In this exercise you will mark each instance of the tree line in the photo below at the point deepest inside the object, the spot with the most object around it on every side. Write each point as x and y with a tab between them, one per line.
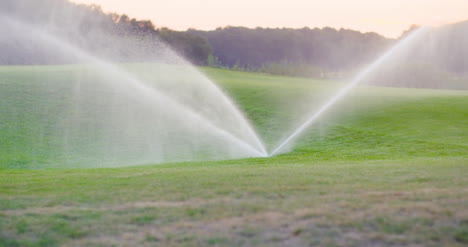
285	51
231	47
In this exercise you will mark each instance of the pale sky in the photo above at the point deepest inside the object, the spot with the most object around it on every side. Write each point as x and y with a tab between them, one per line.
387	17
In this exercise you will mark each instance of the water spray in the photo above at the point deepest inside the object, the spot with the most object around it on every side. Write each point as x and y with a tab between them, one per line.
349	86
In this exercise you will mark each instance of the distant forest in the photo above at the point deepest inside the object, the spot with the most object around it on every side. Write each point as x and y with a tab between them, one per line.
326	48
230	47
301	52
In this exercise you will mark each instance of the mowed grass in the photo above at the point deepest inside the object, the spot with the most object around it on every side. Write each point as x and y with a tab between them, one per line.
384	167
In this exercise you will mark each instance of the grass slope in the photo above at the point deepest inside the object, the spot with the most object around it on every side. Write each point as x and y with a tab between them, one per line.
385	167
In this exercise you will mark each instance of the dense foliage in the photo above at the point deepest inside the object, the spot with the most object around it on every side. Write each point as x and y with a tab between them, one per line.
326	48
325	52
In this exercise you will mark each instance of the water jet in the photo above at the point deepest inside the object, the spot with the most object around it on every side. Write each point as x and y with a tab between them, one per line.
347	88
100	114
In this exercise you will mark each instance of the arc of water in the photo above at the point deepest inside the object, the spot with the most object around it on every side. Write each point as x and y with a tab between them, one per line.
258	141
345	90
156	95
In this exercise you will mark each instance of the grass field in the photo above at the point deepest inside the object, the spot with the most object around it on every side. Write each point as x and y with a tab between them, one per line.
385	167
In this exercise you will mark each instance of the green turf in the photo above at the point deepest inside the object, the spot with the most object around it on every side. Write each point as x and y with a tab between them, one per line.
384	167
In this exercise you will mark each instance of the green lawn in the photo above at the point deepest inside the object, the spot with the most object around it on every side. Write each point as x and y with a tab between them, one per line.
385	166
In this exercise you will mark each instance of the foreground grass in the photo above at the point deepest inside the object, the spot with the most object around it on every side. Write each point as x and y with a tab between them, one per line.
385	167
270	202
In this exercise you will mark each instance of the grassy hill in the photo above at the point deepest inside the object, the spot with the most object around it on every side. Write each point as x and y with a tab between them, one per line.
386	166
371	123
